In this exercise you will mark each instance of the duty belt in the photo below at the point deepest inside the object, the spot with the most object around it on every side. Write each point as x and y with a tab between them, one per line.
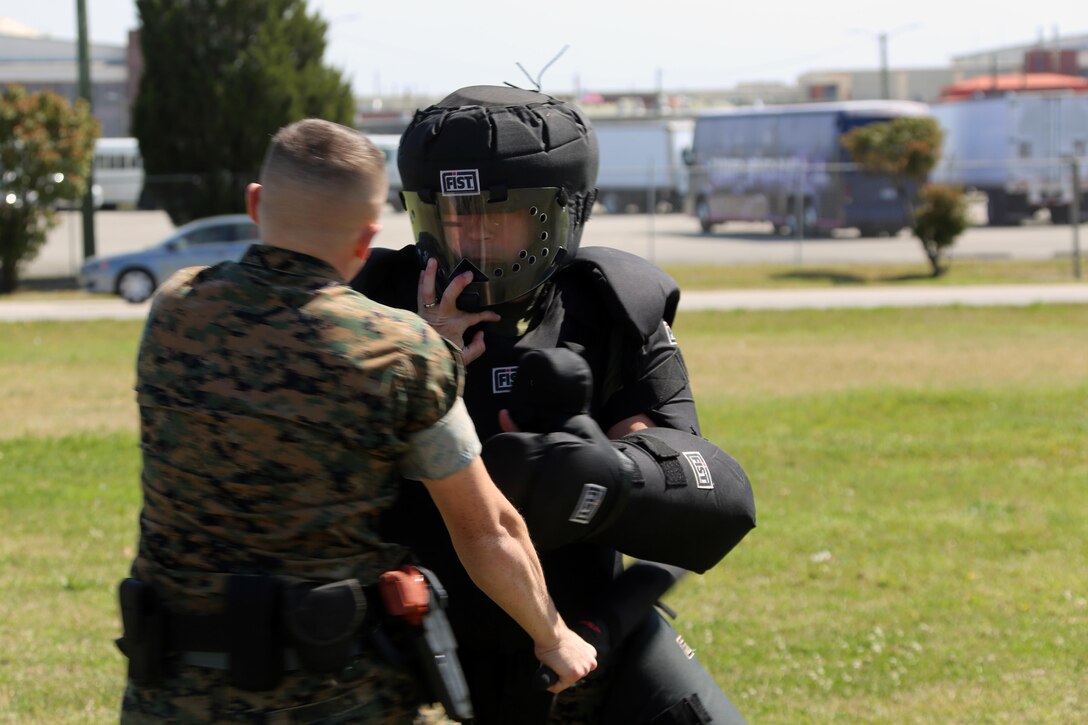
267	627
203	641
270	626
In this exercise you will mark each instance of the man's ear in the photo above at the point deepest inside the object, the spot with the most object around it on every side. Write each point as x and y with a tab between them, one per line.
362	242
253	201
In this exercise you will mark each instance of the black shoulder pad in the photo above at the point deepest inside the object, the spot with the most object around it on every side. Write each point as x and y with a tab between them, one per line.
633	288
390	276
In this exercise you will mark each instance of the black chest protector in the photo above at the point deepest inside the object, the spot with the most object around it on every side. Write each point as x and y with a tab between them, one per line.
616	307
612	305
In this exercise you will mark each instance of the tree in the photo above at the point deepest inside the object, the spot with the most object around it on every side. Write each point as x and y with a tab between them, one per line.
46	148
940	217
907	148
220	78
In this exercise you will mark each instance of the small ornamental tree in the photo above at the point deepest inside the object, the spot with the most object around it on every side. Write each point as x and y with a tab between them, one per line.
940	217
907	148
46	148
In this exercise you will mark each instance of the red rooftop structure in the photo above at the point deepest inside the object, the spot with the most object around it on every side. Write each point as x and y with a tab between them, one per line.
988	86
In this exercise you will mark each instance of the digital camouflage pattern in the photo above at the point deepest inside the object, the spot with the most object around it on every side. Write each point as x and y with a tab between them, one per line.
197	696
278	409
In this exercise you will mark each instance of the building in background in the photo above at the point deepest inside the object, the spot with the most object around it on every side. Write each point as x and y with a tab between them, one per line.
904	84
43	63
991	86
1067	55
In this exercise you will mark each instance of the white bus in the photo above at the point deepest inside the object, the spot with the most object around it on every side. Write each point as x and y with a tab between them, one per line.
118	172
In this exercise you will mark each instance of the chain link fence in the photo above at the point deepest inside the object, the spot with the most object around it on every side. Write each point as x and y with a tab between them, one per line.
1013	191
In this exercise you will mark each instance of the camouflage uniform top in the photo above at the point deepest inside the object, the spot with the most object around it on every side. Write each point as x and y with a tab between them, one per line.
279	411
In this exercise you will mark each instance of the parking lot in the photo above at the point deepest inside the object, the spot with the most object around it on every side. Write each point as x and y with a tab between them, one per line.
663	238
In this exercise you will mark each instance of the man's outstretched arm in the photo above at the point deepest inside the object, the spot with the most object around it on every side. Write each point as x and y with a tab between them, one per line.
493	543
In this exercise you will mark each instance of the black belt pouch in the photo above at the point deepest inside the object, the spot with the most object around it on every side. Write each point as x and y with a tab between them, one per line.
322	623
254	642
144	639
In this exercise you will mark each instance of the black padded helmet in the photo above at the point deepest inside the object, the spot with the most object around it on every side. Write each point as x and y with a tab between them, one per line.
499	181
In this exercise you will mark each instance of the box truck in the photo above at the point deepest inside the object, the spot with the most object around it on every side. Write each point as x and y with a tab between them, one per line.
642	163
1017	150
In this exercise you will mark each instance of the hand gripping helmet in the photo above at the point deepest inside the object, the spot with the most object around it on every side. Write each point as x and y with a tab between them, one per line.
498	181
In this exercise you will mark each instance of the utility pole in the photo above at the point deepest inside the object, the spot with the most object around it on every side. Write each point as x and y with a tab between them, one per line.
885	85
882	42
85	93
1075	216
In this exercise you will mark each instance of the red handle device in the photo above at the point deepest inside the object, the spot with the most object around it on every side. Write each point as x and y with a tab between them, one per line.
405	594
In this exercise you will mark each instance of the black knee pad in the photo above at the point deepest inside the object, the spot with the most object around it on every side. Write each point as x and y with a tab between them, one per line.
658	681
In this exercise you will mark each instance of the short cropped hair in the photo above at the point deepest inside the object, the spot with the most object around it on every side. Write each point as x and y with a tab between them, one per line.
325	157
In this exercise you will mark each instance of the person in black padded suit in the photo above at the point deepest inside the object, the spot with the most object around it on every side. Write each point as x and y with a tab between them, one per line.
499	183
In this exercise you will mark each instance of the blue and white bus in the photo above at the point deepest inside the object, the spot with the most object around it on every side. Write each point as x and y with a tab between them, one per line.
767	163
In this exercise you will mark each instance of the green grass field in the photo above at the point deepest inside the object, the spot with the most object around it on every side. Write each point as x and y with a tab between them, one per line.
920	475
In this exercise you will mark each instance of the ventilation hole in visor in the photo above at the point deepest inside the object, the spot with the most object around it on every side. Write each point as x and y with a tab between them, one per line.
532	260
515	268
523	254
544	252
543	236
532	211
543	218
498	271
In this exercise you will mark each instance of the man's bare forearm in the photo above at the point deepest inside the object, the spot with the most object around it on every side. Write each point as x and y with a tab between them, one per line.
493	543
505	566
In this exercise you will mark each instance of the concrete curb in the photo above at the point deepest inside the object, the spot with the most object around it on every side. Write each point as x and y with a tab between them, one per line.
759	299
871	297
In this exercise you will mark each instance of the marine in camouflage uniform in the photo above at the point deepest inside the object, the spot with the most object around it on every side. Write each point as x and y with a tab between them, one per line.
279	411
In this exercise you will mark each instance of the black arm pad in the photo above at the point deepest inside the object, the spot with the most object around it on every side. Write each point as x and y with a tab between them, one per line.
658	494
551	387
693	505
566	486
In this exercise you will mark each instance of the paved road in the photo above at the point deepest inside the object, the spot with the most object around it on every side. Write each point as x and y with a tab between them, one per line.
776	299
665	239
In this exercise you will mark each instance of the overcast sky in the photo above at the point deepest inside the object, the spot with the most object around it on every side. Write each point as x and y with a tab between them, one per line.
428	47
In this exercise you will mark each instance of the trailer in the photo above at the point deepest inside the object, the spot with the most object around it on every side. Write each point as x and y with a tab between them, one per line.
642	163
1017	150
388	145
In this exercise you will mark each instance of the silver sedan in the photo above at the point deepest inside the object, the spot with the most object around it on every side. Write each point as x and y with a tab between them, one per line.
136	275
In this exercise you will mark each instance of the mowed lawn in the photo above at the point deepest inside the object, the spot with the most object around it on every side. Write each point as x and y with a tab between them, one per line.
921	478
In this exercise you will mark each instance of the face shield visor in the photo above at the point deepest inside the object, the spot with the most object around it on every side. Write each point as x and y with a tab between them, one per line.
512	244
